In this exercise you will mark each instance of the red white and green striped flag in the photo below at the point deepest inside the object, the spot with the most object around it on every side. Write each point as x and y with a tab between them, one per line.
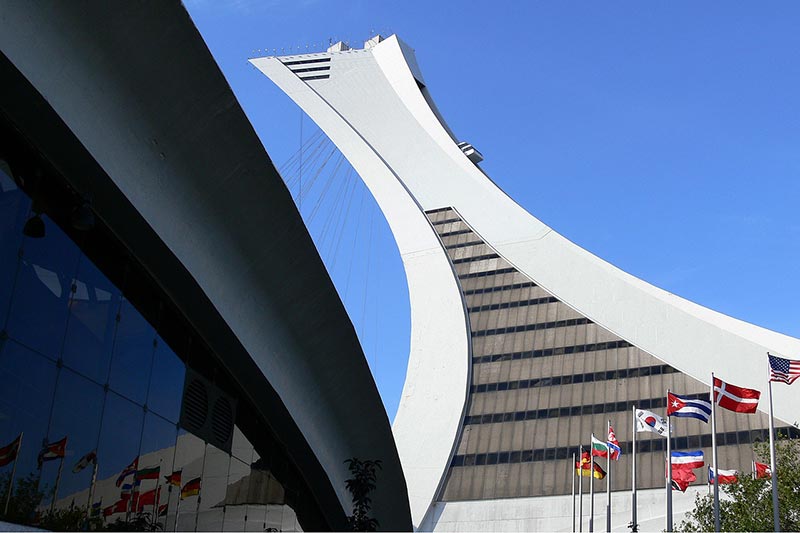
599	448
148	473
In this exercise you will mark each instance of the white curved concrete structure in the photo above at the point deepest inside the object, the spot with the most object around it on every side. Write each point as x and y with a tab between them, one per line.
374	105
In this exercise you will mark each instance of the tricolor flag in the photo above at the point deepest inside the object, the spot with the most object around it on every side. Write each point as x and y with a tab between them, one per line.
586	467
192	488
9	452
148	473
174	478
56	450
613	444
148	498
689	460
760	470
682	465
682	406
599	448
130	486
649	421
725	476
84	461
130	469
783	370
733	398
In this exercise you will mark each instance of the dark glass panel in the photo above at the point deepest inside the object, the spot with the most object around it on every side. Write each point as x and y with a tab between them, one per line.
214	487
92	322
120	436
133	355
189	457
166	382
77	411
43	287
27	385
14	208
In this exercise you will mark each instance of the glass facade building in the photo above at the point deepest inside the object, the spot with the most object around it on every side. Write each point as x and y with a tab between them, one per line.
103	365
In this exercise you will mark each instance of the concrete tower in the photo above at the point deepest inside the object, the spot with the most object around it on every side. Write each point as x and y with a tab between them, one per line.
522	343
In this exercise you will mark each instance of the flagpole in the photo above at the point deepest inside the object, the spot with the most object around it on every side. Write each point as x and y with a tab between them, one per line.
573	493
669	471
591	493
633	473
580	489
714	454
58	482
13	473
773	470
608	482
91	488
177	510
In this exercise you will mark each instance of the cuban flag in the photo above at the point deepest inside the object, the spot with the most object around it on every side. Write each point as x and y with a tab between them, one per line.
682	406
725	476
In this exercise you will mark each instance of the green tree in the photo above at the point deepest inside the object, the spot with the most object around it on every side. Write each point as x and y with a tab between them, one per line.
360	486
24	500
748	502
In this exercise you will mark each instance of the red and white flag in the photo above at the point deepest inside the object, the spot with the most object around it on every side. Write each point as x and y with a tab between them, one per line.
9	452
735	398
613	444
725	476
56	450
761	470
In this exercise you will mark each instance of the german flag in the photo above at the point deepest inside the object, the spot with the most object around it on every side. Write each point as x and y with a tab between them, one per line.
192	488
174	478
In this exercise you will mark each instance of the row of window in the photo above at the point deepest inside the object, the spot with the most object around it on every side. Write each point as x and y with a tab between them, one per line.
324	77
577	410
576	378
693	442
547	352
531	327
485	273
438	210
310	69
455	232
446	221
475	258
463	245
305	61
499	288
507	305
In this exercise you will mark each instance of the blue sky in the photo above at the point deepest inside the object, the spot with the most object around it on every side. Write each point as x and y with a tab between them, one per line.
663	137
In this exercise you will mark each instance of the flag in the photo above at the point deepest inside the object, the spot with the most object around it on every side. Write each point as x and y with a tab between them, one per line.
761	470
649	421
192	488
687	460
97	507
162	509
130	469
56	450
148	473
148	498
682	465
588	469
121	506
686	407
785	370
108	511
174	478
725	476
735	398
9	452
613	444
84	461
127	487
599	448
682	478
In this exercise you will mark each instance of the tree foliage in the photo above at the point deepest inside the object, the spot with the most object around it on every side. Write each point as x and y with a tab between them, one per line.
747	504
360	486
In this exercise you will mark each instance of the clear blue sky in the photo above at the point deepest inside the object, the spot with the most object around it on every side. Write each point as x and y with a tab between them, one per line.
663	137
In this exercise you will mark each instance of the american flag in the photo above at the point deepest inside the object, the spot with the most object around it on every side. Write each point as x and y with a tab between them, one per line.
785	370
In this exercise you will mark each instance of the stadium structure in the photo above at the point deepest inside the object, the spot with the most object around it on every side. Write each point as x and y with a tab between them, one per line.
522	342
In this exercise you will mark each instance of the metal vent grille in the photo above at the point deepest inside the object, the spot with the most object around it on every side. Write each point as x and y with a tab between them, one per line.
222	420
207	411
195	405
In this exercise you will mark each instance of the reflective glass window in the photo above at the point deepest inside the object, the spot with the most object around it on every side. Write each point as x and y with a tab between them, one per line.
166	382
42	291
132	357
14	208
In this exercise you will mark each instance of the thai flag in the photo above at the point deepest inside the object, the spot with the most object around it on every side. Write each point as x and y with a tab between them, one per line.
130	469
725	476
682	406
689	460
